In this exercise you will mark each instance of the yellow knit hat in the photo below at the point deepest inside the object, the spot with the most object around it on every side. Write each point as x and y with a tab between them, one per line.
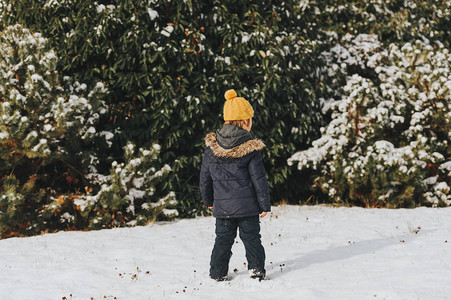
236	108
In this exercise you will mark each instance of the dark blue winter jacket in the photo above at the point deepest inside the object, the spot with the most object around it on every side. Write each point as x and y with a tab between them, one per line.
232	177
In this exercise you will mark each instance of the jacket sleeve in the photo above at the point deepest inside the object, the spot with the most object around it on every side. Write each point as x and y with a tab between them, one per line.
258	177
206	182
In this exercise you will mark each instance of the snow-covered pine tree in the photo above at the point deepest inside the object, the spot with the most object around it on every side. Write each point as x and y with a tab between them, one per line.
127	196
44	124
388	143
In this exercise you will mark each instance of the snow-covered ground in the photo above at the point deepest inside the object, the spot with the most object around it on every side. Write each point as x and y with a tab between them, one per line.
312	253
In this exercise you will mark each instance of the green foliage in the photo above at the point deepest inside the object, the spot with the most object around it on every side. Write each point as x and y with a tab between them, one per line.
388	142
129	194
167	65
43	127
47	133
16	213
395	21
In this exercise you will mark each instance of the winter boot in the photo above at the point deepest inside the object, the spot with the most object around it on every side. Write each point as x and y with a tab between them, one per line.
255	274
222	278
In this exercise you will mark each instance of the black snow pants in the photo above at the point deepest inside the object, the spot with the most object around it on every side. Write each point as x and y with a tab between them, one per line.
249	228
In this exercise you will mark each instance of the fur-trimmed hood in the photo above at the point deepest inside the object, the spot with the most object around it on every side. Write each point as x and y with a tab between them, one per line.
236	152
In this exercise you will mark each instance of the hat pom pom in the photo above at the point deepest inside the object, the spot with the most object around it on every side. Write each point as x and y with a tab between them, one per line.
230	94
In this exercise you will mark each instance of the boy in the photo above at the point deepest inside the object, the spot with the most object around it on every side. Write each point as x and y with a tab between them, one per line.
233	183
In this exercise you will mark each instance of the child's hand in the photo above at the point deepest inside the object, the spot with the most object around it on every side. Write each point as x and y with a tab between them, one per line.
263	214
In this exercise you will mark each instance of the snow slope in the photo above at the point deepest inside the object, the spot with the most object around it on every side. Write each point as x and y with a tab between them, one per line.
312	253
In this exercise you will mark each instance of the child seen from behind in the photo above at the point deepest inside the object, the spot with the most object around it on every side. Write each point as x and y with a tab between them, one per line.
233	183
